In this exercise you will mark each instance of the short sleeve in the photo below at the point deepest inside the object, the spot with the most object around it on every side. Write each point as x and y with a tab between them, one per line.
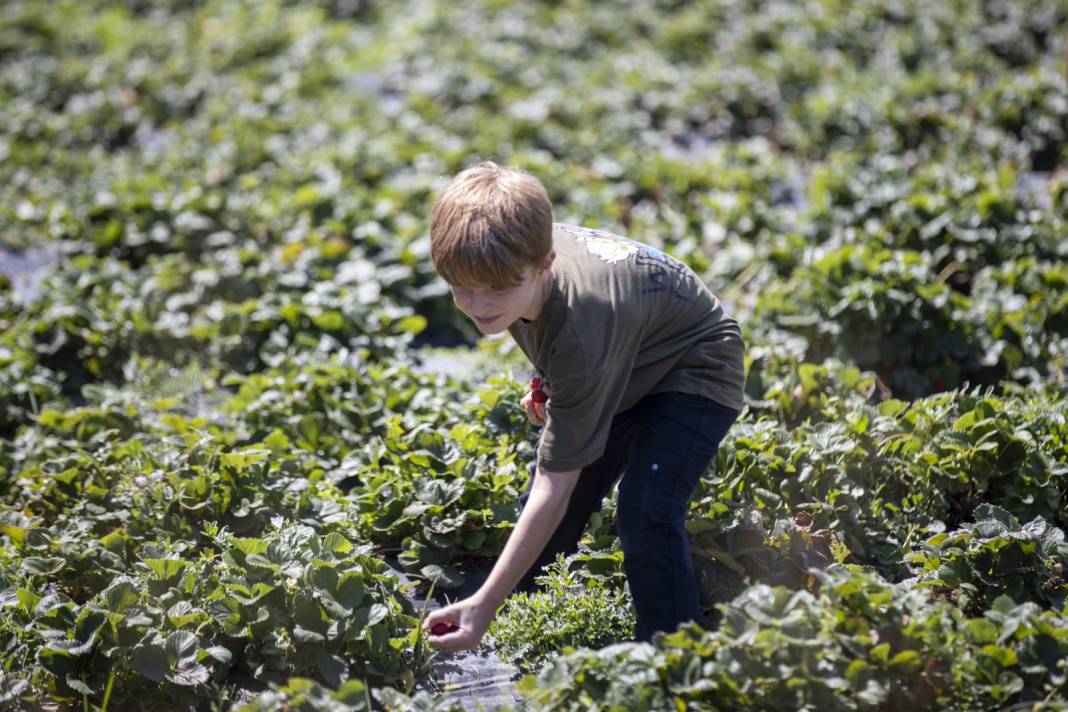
580	411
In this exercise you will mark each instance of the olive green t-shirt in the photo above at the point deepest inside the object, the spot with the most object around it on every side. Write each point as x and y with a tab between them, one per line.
623	320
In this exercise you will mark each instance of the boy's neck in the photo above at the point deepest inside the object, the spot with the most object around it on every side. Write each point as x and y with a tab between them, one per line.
543	297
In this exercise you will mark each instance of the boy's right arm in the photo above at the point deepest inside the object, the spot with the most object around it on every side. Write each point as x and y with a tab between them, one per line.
548	502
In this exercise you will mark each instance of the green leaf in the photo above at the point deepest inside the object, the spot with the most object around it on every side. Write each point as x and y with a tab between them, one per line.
1003	604
165	569
330	320
310	430
333	669
412	324
906	660
353	693
880	653
277	442
190	675
120	596
1002	516
27	600
445	576
377	614
856	668
150	660
306	636
181	647
242	459
249	546
335	543
1005	656
350	590
16	534
182	650
67	476
249	596
981	631
37	566
53	419
218	652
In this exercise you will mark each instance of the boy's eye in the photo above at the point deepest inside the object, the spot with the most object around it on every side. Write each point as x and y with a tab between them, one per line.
493	291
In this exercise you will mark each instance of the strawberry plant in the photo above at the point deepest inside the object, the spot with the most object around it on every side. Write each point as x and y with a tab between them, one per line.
569	610
215	427
793	390
996	556
858	643
309	696
883	474
729	560
291	603
307	603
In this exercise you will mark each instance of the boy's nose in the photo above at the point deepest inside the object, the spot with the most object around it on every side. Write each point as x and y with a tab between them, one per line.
479	306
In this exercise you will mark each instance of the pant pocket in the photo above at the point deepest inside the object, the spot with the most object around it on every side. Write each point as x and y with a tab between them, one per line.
674	459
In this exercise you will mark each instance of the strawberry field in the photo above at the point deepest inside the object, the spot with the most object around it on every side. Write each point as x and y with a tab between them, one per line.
245	435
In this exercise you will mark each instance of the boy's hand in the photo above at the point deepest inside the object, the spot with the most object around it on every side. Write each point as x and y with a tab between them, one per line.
535	411
462	624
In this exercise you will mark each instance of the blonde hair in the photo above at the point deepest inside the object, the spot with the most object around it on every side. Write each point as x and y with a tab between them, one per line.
488	224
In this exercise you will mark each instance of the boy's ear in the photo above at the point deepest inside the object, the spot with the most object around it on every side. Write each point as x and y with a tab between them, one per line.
548	262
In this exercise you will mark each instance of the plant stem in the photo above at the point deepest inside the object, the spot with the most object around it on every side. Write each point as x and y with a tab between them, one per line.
107	691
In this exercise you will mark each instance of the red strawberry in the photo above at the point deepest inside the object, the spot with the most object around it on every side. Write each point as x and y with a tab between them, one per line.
443	628
536	392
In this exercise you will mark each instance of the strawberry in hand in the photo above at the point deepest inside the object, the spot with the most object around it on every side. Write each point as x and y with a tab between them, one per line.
444	628
536	393
534	403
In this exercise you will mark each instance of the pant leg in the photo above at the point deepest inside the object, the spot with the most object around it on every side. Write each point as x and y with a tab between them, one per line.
594	483
680	434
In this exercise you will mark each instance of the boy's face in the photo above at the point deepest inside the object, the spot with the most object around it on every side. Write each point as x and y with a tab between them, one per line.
494	310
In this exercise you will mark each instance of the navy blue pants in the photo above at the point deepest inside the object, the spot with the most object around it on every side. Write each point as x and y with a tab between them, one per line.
661	447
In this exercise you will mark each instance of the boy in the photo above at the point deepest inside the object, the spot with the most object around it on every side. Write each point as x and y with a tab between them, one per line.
643	372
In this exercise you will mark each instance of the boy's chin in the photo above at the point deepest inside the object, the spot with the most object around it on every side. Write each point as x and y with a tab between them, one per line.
494	328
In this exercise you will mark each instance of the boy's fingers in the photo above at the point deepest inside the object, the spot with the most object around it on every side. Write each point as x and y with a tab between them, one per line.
535	411
453	642
432	619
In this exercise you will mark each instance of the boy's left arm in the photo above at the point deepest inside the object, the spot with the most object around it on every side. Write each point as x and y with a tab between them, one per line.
542	513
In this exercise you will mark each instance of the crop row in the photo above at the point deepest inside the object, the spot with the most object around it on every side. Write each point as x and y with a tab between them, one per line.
142	493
